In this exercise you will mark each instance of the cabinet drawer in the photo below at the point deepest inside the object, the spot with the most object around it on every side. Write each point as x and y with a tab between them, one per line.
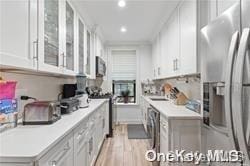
80	136
61	154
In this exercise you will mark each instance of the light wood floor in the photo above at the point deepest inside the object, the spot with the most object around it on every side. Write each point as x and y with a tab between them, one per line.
121	151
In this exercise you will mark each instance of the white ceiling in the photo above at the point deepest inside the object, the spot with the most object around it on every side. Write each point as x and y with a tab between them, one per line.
143	18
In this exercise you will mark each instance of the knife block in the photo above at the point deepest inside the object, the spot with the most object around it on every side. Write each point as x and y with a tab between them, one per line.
181	99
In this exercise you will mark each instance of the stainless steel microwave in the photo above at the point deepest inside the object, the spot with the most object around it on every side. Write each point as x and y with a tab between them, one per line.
100	67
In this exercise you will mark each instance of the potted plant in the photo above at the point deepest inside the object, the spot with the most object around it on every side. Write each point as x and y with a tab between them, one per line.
125	95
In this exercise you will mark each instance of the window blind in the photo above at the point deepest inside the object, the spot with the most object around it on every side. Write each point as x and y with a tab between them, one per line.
124	65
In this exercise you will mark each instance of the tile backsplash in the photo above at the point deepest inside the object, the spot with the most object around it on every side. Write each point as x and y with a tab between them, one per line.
189	85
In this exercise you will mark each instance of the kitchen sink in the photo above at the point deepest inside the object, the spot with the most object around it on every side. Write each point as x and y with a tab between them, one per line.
158	99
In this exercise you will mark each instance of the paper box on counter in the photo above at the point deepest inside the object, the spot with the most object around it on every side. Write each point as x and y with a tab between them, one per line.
8	109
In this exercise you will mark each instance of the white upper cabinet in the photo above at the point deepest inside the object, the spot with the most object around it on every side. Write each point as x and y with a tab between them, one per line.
51	49
88	49
18	34
157	57
154	59
188	38
173	53
81	47
91	53
178	43
217	7
70	42
57	37
51	37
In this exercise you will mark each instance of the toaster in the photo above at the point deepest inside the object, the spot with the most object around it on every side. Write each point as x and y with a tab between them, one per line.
41	112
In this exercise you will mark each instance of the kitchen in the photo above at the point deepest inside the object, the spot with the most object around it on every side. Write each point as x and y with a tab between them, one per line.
113	82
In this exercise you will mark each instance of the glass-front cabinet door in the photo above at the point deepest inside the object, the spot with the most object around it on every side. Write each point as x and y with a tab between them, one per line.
57	37
51	32
50	48
70	37
88	53
80	47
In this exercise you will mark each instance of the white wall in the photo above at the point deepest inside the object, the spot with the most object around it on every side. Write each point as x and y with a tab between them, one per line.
41	87
130	113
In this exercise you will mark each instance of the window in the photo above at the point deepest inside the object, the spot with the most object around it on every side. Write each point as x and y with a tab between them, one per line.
125	91
124	65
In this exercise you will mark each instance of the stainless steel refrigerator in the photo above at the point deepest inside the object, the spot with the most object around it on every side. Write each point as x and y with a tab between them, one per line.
225	69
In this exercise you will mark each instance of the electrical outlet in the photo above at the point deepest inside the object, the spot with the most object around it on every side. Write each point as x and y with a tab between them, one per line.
20	103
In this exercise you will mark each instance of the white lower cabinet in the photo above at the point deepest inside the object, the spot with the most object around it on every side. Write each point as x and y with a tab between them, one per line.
81	145
60	155
179	134
164	139
78	148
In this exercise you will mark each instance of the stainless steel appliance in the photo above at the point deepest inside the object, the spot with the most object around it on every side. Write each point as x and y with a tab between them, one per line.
226	76
69	105
100	67
41	112
112	107
69	90
153	129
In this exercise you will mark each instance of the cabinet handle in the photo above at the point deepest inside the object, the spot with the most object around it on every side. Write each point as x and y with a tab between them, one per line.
63	56
65	151
159	70
35	50
90	145
80	134
177	68
174	65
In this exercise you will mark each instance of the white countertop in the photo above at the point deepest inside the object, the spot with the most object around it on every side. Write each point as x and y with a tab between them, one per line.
30	142
172	111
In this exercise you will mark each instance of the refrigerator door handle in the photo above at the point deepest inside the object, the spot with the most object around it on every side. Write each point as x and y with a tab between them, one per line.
228	87
219	129
237	92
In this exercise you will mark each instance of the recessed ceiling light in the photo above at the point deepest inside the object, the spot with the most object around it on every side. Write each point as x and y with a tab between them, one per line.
121	3
123	29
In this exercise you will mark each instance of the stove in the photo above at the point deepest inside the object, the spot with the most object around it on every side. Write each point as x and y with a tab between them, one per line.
111	109
100	96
